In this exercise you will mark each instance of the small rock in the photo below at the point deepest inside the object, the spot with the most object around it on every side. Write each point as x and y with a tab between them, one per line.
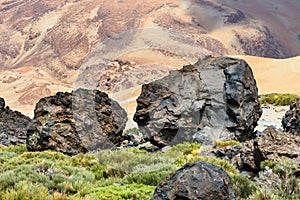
271	144
199	180
291	119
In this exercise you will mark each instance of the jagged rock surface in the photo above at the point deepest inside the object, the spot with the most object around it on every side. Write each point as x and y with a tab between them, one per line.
13	126
212	99
198	180
2	103
84	120
291	119
271	144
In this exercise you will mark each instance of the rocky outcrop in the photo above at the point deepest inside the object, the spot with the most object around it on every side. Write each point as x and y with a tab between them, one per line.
291	119
198	180
212	99
84	120
13	126
271	144
2	103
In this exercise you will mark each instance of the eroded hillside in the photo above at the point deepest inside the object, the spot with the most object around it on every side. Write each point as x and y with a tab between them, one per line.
58	45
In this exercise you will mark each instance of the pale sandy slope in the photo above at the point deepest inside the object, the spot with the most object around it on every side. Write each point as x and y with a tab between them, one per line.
275	75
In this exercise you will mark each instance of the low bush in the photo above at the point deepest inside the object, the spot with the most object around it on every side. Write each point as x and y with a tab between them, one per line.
185	149
133	131
125	174
279	179
279	99
20	148
242	186
150	175
119	192
25	191
223	144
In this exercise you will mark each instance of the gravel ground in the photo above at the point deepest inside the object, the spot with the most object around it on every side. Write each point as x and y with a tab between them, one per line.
272	116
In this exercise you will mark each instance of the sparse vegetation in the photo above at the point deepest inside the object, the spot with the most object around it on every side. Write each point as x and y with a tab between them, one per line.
223	144
123	174
279	99
279	179
242	186
134	131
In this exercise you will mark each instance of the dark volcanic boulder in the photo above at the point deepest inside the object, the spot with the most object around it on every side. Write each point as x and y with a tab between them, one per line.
271	144
84	120
214	98
198	180
2	103
13	126
291	119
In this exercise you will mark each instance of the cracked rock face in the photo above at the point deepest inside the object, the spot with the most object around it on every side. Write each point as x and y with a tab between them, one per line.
213	99
271	144
13	126
81	121
199	180
2	103
291	119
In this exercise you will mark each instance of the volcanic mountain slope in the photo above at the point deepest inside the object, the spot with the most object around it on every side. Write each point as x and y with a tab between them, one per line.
47	46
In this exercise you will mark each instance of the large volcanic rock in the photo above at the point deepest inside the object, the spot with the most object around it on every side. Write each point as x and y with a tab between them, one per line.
201	102
84	120
13	126
2	103
291	119
198	180
271	144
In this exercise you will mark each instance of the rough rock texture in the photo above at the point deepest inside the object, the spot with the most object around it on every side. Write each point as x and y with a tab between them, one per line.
13	126
201	102
2	103
271	144
291	119
198	180
84	120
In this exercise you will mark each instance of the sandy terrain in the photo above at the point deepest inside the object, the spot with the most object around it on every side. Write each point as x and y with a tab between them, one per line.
271	116
275	75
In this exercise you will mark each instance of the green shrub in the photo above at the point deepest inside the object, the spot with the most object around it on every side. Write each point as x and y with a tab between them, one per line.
20	148
10	178
261	195
226	165
133	131
183	159
126	161
223	144
184	149
283	181
52	170
268	163
150	176
124	174
25	191
119	192
279	99
242	186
